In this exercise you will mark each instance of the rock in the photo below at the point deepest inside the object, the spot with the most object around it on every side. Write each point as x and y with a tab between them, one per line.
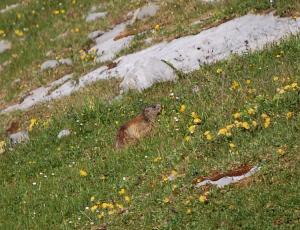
64	133
4	45
95	34
94	16
66	61
8	8
145	12
50	64
20	137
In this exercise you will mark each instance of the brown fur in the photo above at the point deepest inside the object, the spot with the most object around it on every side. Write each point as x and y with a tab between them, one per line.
138	127
13	127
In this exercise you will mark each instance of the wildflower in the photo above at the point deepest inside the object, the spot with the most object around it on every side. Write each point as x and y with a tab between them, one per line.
245	125
62	11
224	132
19	33
251	111
267	122
82	173
235	85
275	78
182	108
2	33
237	115
281	151
195	115
107	205
76	30
33	122
188	211
127	199
208	135
166	200
202	199
219	70
232	146
55	12
101	215
197	121
111	212
187	138
254	124
157	27
119	206
157	159
92	198
192	129
2	146
289	115
94	208
248	81
122	192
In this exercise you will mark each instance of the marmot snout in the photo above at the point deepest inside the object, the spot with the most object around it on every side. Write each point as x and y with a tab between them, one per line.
138	127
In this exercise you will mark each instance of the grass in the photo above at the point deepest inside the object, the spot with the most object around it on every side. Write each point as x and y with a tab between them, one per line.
40	181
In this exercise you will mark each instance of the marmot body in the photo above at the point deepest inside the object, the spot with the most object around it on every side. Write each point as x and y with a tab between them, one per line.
138	127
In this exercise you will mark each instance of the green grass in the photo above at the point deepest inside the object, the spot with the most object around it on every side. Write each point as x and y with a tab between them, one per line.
40	182
268	199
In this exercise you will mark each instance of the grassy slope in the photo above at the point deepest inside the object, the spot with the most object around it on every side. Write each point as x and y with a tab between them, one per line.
268	199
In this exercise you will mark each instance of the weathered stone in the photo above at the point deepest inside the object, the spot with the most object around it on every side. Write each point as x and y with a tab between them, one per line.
95	34
66	61
50	64
64	133
4	45
19	137
94	16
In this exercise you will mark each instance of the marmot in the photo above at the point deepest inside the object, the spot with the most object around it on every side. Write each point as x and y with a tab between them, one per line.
138	127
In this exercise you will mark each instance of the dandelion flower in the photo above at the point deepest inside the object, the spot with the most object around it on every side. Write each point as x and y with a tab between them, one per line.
254	124
235	85
2	146
208	136
157	27
122	192
157	159
166	200
248	81
33	122
237	115
127	199
289	115
101	215
197	121
188	211
280	151
224	132
275	78
82	173
195	115
94	208
187	138
232	146
192	129
202	199
245	125
19	33
219	70
182	108
251	111
92	198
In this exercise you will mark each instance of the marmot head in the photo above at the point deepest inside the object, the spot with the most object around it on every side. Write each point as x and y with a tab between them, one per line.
152	111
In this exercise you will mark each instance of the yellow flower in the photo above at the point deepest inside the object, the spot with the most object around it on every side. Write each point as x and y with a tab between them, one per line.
107	205
119	206
254	124
267	122
62	11
94	208
264	116
187	138
2	146
82	173
33	122
231	145
19	33
275	78
111	212
202	199
235	85
92	198
122	192
248	81
245	125
289	115
76	30
192	129
157	159
157	27
182	108
208	136
188	211
224	132
166	200
101	215
197	121
127	199
55	12
237	115
2	33
195	115
219	70
251	111
281	151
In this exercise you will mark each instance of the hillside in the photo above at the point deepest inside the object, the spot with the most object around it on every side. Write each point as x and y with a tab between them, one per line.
227	76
